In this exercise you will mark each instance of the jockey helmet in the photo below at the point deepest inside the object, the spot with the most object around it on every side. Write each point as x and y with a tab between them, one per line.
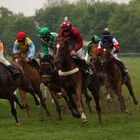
106	32
44	31
66	25
21	36
95	39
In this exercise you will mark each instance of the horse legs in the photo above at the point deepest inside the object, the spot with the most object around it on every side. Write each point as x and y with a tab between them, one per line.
39	93
79	103
35	98
129	86
16	100
24	101
71	104
87	100
118	91
13	110
58	107
95	94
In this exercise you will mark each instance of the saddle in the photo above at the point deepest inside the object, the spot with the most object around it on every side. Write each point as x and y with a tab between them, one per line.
34	64
121	66
84	67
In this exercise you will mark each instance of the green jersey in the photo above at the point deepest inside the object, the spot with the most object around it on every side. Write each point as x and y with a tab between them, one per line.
89	48
47	48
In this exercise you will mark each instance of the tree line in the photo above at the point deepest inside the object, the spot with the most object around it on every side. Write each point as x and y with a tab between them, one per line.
89	16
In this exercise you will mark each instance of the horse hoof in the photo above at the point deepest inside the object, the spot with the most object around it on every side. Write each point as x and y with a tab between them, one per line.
84	121
135	102
84	118
126	111
76	115
17	124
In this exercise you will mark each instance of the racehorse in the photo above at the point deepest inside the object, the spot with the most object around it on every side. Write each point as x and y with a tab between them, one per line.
51	79
7	87
96	60
115	77
71	78
31	80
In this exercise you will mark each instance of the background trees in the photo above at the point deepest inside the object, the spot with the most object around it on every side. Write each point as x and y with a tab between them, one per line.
89	16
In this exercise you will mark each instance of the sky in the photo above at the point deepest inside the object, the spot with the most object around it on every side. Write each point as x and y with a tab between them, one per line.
28	7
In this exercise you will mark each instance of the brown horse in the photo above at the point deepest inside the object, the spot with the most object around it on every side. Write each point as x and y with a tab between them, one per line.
97	61
115	77
31	80
72	79
51	79
7	88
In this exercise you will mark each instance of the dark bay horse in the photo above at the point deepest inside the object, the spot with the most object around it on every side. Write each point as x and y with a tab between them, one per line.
72	80
115	77
31	80
7	88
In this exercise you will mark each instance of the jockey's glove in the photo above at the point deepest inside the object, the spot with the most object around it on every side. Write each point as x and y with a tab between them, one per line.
73	53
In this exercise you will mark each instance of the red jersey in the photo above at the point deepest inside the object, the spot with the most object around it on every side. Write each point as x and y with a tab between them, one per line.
74	36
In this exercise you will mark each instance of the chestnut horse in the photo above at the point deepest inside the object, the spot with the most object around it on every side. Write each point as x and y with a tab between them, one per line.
51	79
7	88
32	80
71	78
96	60
115	77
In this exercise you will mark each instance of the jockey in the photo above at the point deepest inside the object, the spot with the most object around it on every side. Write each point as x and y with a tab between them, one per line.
5	62
24	45
48	43
94	42
108	40
67	30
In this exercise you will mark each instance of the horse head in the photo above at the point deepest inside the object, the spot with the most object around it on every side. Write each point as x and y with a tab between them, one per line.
61	51
106	54
19	58
46	69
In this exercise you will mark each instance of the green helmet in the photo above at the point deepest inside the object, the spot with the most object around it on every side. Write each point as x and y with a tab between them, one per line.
44	31
95	39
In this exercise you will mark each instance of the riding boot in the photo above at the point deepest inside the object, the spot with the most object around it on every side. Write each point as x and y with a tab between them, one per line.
87	69
35	64
123	68
13	71
84	67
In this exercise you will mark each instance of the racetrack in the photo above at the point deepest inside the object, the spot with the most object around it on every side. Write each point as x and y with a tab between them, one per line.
116	126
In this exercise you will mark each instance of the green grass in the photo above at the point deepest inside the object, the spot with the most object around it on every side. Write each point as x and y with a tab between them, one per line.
116	126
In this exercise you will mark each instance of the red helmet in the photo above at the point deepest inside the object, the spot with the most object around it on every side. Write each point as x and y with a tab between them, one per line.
66	25
20	36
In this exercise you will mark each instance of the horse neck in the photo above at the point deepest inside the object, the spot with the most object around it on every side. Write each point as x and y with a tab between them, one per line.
98	64
68	64
109	65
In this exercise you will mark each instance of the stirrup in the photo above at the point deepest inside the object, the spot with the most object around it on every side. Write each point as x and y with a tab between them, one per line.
89	71
126	71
